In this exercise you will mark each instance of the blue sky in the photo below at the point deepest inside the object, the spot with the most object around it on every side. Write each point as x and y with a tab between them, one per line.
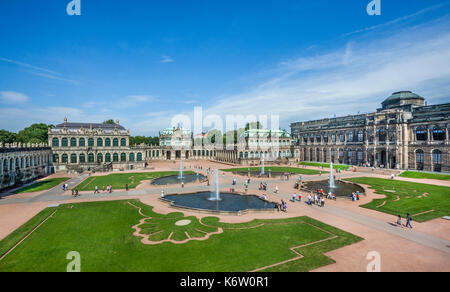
143	62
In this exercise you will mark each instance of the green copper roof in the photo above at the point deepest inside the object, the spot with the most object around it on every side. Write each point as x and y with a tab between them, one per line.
403	95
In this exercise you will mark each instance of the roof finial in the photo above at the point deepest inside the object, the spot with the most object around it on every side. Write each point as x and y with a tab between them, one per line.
65	120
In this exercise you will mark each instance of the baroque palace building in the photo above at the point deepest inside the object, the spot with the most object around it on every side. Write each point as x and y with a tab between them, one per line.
94	147
404	134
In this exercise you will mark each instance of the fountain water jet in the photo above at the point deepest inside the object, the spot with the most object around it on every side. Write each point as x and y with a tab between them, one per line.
263	171
181	170
215	194
332	183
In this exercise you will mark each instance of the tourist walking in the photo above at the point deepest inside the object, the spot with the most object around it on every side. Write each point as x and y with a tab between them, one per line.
399	221
126	187
96	190
408	221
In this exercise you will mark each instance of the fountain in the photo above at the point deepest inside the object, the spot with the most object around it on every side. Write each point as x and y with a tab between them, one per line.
339	188
332	183
215	193
181	170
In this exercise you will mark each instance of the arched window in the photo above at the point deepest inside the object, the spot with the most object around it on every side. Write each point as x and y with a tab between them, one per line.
123	142
99	142
22	164
437	160
311	138
421	134
319	139
349	156
342	138
108	157
139	157
382	135
438	134
55	142
73	142
108	142
82	158
115	157
64	158
116	142
241	155
420	159
73	158
91	158
64	142
325	138
90	142
55	159
437	157
123	157
82	142
246	155
131	156
99	158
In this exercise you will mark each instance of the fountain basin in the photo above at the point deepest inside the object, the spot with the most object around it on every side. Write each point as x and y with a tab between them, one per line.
342	189
230	202
174	179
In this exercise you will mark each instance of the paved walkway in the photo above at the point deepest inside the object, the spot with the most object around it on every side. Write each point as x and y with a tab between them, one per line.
377	229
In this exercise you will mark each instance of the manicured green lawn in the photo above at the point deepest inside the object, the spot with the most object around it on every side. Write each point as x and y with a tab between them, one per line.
275	169
325	165
119	180
421	175
102	233
42	185
415	198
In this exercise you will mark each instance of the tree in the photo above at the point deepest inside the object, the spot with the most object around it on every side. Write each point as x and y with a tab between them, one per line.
36	133
109	122
7	137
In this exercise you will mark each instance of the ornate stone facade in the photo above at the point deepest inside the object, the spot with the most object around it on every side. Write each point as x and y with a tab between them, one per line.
22	163
94	147
403	134
257	144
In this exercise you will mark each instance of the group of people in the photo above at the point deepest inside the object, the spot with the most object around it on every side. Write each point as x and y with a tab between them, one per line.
319	200
408	221
281	207
296	197
263	186
355	196
108	190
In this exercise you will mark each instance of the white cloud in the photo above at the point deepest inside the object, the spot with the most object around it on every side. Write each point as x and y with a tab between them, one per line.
357	77
12	97
39	71
166	59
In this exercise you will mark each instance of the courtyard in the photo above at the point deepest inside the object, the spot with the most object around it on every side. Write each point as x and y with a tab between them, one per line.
135	230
